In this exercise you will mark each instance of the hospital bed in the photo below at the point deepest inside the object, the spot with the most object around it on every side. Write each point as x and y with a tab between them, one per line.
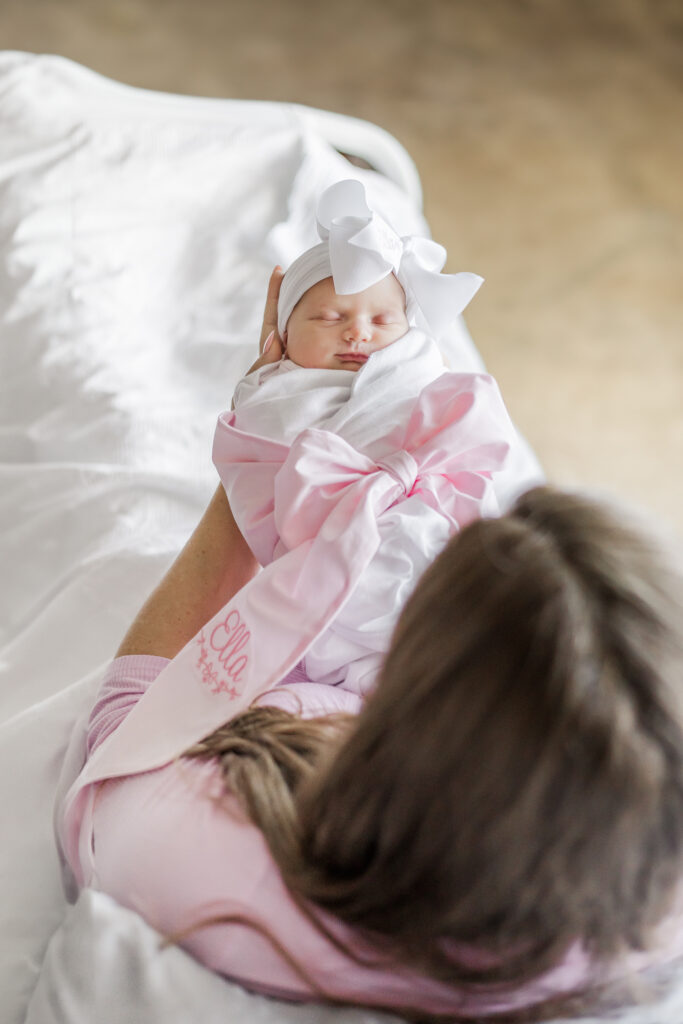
137	234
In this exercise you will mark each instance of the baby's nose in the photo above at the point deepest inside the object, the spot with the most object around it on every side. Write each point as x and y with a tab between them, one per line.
358	331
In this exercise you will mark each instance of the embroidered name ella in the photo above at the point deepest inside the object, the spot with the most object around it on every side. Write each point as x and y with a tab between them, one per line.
221	660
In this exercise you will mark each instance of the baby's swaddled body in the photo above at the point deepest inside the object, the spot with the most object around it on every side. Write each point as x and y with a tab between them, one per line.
373	411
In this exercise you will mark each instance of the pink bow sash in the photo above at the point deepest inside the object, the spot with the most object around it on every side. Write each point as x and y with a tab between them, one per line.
313	508
457	435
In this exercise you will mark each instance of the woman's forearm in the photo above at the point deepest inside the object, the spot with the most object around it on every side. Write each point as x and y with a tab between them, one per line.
214	564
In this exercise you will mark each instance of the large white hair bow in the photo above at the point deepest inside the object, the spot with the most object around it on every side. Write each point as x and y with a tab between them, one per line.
359	248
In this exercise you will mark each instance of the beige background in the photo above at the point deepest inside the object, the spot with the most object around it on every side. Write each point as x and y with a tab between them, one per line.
549	138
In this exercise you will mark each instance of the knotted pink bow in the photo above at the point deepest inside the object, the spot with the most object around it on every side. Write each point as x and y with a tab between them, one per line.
283	495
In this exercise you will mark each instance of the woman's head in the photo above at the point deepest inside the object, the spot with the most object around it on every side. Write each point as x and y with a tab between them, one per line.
517	778
515	783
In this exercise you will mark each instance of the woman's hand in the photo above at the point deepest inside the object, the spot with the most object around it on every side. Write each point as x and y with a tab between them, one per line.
270	343
216	561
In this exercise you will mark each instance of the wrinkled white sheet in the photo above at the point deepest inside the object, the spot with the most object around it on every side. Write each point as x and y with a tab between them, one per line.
137	233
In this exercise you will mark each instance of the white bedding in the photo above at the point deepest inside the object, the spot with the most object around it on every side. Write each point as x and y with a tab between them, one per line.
137	233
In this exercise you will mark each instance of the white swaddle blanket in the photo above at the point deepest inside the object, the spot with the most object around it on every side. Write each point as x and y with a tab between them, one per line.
371	411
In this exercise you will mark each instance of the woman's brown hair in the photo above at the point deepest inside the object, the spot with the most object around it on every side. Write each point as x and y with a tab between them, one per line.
515	782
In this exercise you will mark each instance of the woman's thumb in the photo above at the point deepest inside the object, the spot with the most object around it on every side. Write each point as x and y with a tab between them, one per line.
272	348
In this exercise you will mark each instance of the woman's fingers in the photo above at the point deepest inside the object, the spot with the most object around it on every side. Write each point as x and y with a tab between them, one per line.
270	311
272	349
270	344
271	353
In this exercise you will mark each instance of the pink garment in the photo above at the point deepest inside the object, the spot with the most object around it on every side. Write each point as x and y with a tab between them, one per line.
330	497
173	846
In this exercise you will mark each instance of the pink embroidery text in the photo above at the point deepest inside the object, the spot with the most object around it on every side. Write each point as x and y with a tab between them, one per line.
222	658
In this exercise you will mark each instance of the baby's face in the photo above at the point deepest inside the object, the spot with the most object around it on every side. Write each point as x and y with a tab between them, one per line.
338	332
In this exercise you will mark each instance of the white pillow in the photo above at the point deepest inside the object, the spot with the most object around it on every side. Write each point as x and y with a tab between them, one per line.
105	966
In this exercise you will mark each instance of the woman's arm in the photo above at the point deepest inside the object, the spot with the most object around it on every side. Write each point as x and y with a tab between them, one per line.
214	564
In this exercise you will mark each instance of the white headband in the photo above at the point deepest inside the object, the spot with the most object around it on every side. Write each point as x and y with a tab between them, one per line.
359	249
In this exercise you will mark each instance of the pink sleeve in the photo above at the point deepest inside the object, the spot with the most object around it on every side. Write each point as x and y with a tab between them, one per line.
127	679
124	683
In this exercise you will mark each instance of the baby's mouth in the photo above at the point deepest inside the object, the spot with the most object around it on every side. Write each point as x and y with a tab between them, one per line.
353	357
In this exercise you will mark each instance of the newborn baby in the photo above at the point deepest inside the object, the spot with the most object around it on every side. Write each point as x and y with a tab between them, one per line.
362	388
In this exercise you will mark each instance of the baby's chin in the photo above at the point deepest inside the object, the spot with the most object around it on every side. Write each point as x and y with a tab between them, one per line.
352	365
349	364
